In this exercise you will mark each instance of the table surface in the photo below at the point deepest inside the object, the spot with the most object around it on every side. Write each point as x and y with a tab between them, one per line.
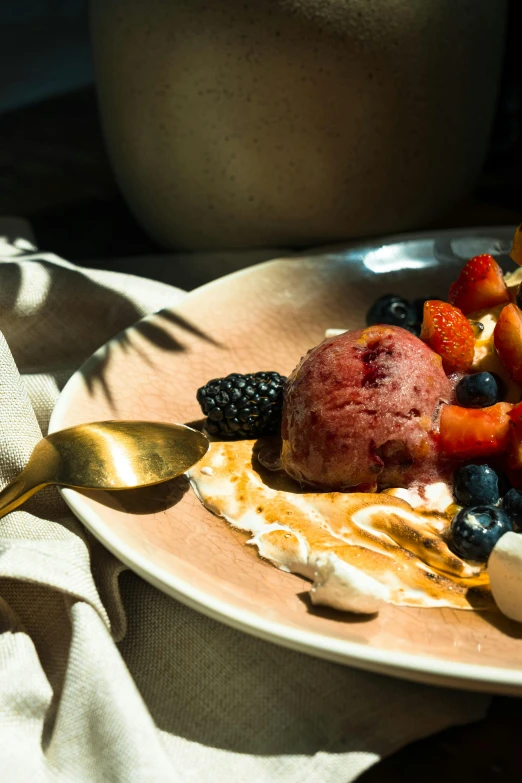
54	172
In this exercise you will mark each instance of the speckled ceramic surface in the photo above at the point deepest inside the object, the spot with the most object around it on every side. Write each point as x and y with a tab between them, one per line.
250	123
266	317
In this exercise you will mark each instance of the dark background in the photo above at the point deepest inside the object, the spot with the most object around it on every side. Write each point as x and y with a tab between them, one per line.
54	170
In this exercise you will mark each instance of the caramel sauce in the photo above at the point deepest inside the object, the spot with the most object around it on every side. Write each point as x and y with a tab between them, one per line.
381	535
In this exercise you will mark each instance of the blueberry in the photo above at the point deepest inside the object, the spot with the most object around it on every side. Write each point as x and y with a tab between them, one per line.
414	328
475	531
512	504
477	391
392	310
476	485
501	386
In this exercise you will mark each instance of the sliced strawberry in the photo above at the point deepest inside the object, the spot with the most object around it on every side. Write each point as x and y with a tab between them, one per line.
516	250
515	416
467	433
514	448
449	333
508	340
480	284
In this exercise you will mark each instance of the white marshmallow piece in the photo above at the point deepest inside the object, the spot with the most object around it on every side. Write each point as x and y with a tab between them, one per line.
505	575
341	585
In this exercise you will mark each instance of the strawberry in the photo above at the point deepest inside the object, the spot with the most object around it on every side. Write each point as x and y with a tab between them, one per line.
515	438
508	340
468	433
479	285
515	416
449	333
516	250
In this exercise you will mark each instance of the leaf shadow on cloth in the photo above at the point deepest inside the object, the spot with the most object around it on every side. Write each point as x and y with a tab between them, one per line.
46	309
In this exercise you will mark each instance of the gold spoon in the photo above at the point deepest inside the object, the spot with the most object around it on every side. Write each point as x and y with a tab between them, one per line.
110	455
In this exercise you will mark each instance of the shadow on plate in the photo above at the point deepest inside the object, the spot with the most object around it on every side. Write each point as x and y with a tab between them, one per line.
144	500
503	624
327	613
267	451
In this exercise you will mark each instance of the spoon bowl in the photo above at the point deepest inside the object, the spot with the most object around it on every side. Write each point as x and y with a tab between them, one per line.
108	455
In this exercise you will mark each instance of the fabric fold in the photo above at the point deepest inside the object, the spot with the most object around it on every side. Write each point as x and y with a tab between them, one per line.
180	697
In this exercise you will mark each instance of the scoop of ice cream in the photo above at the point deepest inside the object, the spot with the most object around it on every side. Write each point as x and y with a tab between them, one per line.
360	409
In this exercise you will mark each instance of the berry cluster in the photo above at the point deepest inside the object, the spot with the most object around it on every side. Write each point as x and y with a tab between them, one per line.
489	510
481	426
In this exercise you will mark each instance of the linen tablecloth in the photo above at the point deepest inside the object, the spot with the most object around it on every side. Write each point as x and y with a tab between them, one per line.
104	678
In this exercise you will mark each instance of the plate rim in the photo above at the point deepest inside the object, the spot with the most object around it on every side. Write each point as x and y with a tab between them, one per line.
431	670
418	668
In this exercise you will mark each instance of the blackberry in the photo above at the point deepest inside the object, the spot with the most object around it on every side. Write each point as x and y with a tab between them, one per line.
243	406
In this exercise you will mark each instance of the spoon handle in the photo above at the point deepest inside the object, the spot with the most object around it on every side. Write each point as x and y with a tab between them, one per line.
17	492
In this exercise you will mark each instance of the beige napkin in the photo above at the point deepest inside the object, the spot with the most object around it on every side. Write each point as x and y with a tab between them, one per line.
102	677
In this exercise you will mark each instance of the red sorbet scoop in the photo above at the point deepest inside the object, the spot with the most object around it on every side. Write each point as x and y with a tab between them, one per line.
360	409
